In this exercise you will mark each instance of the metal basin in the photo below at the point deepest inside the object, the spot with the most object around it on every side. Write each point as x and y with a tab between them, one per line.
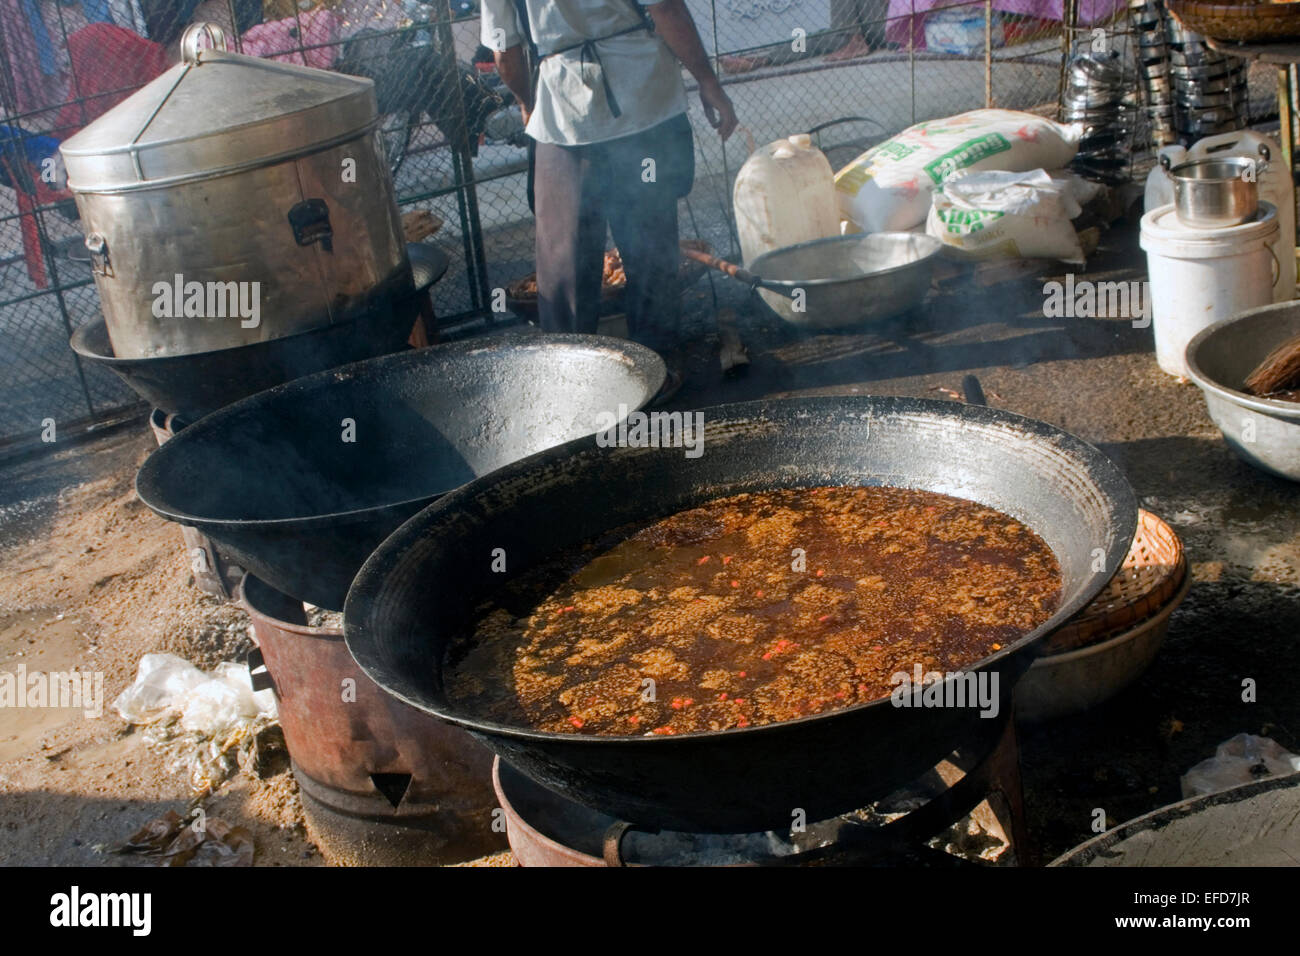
847	280
299	483
1263	431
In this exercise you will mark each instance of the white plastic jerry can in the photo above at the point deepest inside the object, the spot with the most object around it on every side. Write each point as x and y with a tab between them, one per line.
1275	187
784	195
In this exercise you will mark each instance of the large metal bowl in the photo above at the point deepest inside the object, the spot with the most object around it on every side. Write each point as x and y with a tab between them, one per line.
1263	431
847	280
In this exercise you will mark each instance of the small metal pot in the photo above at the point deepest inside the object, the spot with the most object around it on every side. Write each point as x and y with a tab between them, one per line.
1214	193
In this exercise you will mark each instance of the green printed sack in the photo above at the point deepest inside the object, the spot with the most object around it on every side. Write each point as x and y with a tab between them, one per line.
888	188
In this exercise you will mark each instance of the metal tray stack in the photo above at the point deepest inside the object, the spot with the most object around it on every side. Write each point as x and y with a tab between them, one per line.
1209	87
1095	96
1148	24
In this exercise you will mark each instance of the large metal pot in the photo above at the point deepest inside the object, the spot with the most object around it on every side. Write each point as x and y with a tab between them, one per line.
1219	192
233	176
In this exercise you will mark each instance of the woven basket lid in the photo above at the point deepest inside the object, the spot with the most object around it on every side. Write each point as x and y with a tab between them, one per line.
1151	574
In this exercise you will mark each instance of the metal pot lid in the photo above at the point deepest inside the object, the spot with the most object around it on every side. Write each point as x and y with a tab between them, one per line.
216	113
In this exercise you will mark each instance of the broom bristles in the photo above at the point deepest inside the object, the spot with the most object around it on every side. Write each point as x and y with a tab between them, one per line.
1280	370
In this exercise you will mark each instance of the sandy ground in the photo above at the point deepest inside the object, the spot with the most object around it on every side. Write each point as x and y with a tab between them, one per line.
92	586
90	578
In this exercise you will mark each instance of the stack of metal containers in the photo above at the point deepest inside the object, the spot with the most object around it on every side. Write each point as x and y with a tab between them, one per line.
1095	96
1148	20
1209	87
1191	91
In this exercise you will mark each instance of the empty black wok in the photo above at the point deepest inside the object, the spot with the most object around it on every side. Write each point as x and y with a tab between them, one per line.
299	483
418	590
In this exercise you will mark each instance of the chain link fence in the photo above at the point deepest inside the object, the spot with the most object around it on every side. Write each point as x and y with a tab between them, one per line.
852	72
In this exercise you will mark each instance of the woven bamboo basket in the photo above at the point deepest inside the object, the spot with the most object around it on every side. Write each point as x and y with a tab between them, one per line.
1240	22
1150	576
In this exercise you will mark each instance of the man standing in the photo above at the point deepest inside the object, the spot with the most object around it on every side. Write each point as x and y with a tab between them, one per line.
607	109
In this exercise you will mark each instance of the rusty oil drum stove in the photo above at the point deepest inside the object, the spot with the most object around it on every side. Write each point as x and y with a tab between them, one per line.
381	782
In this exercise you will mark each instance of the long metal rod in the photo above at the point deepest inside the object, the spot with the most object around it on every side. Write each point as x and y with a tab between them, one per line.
988	54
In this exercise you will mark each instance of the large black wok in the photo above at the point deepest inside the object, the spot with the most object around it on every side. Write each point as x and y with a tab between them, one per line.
276	483
418	590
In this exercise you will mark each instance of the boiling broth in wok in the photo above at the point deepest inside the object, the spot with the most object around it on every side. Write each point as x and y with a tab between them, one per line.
753	609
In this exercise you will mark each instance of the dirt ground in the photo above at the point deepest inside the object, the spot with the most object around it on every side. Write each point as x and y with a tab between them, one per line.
90	578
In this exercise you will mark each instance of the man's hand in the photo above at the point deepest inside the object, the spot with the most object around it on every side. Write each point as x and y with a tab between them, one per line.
718	109
512	67
675	27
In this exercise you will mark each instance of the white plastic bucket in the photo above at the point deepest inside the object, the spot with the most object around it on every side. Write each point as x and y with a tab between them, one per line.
1275	187
1199	276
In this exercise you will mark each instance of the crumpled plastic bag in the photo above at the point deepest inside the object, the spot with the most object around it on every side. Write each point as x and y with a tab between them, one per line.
161	680
1241	759
214	724
225	700
167	685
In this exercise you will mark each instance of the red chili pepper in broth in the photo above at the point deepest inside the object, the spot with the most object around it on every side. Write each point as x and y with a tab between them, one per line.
726	559
735	584
576	721
663	731
703	560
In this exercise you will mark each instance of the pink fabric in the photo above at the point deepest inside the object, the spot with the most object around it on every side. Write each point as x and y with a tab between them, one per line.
279	39
1090	11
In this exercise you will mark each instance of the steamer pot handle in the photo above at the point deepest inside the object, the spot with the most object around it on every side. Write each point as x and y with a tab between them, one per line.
190	49
973	390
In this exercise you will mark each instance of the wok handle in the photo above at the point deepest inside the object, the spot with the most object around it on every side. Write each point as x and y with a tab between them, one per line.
723	266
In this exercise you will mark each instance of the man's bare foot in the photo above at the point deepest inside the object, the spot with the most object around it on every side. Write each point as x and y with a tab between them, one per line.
856	47
741	64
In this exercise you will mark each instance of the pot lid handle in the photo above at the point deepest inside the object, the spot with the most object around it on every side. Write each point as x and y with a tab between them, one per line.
190	49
